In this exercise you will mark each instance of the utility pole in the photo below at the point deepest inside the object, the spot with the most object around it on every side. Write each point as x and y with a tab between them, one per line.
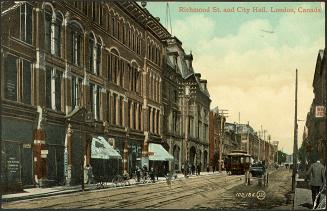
295	139
264	145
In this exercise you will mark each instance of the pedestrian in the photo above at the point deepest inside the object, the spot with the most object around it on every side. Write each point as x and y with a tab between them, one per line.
151	174
138	174
198	169
316	173
89	174
182	169
193	169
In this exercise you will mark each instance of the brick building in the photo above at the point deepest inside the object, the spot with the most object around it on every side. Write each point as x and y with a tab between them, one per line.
216	138
74	71
315	137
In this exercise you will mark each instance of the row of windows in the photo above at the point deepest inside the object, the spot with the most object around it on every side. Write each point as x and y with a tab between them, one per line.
18	85
53	35
120	70
114	25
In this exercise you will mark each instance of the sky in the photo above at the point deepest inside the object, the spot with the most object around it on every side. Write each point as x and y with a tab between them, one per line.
249	59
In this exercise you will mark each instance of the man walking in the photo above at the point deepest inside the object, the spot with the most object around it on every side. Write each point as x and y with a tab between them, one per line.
316	172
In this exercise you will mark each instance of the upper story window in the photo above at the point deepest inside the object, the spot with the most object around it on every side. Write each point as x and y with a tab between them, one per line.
54	88
94	10
100	14
57	35
53	28
76	43
47	30
91	52
18	79
84	7
95	91
113	66
26	23
98	56
77	88
94	52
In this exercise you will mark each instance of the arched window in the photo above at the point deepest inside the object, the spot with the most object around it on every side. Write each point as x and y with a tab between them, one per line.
91	52
57	34
94	5
26	23
113	26
100	8
114	65
47	24
124	34
132	41
98	56
129	37
76	43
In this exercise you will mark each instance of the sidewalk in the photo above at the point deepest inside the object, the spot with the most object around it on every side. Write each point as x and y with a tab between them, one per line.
302	196
31	193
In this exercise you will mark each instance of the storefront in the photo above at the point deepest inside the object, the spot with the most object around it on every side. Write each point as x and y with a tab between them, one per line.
159	159
105	160
134	156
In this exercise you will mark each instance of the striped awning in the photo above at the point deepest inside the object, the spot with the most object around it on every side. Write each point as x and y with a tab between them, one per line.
158	153
101	149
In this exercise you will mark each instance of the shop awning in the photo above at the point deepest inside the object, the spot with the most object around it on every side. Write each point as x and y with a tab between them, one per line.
158	153
101	149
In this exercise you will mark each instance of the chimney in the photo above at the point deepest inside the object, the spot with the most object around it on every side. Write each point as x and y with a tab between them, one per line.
189	60
204	83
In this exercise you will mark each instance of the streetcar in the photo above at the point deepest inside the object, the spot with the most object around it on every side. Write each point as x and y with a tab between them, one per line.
237	162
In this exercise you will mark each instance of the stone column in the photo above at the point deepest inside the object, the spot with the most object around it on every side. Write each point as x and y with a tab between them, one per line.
151	120
137	116
155	120
68	155
117	110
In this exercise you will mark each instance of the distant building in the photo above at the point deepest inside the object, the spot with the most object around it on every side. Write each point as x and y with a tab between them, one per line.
216	137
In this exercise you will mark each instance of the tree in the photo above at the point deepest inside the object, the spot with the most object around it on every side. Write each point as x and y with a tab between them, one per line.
281	157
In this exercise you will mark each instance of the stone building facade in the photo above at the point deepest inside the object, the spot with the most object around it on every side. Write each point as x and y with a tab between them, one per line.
216	138
72	71
186	104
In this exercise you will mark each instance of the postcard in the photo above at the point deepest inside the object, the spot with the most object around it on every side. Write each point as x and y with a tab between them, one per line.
163	105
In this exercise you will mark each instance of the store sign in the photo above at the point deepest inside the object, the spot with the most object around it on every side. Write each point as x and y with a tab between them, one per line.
320	111
44	152
26	146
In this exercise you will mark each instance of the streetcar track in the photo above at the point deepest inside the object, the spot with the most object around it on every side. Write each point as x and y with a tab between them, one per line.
137	194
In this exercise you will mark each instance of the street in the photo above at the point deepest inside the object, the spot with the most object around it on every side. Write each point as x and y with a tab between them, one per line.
209	191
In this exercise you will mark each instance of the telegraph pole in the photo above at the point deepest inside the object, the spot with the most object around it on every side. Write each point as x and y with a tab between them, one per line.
295	138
